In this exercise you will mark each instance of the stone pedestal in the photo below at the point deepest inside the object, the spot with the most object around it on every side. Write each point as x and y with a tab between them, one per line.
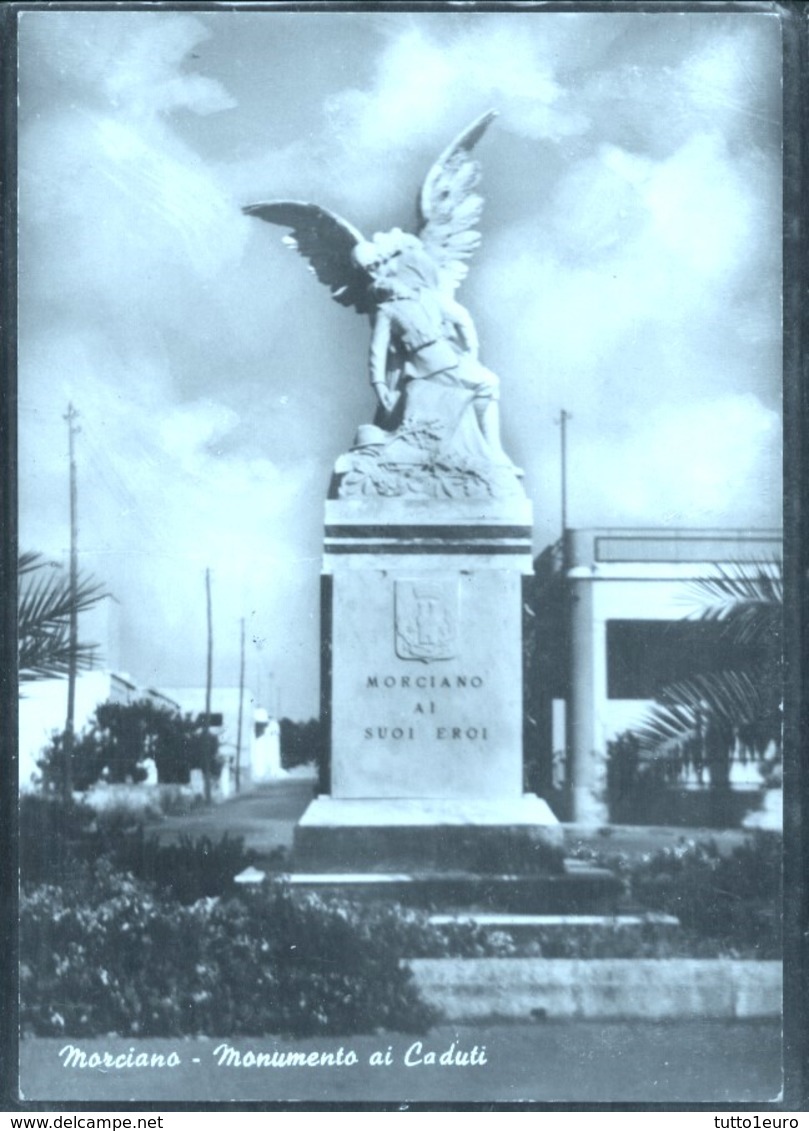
422	693
428	836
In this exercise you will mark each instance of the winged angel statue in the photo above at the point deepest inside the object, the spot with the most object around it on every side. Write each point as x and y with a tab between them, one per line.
437	428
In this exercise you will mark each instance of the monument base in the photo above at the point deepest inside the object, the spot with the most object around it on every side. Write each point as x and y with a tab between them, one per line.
422	697
461	855
519	835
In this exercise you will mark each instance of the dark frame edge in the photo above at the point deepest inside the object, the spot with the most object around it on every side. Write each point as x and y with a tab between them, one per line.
795	41
9	872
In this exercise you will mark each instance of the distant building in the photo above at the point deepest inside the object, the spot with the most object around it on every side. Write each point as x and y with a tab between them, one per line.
612	630
266	755
43	710
246	744
43	707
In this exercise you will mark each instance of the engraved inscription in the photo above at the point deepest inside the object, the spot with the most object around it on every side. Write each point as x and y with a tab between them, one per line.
426	620
425	709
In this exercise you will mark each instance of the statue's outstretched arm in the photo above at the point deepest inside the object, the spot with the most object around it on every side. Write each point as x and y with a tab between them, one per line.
378	352
378	361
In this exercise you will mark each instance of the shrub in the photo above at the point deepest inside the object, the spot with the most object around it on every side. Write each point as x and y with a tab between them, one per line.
645	939
121	735
175	801
735	899
54	838
108	954
58	839
138	803
634	788
187	871
144	802
302	743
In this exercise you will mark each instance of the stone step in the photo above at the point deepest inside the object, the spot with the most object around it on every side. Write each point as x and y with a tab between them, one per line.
582	890
525	928
476	990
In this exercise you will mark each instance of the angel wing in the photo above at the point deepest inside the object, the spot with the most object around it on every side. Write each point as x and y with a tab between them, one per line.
326	240
449	207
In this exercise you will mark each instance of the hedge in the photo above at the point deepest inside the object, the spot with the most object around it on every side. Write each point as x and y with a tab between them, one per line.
734	900
108	954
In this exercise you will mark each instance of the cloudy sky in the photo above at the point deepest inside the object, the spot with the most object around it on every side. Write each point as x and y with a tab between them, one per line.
629	272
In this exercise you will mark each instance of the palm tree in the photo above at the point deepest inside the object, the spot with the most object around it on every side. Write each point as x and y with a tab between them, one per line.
702	720
44	604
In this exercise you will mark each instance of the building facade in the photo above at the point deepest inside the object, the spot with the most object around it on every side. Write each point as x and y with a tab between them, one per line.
617	620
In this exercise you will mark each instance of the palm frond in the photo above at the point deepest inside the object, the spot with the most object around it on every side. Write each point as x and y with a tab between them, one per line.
49	658
720	709
737	705
31	559
45	602
748	603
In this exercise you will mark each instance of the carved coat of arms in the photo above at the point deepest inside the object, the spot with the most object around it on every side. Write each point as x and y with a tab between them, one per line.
426	620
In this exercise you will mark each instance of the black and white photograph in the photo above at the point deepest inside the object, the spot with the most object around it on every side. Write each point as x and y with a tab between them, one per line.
400	532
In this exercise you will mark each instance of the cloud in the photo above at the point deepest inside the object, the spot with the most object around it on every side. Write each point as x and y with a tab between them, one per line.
163	497
136	307
695	73
136	65
431	78
633	255
686	465
419	79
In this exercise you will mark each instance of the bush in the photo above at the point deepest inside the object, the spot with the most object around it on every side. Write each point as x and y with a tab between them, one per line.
121	735
648	938
54	838
647	790
634	788
733	900
187	871
57	840
107	954
302	743
737	898
144	802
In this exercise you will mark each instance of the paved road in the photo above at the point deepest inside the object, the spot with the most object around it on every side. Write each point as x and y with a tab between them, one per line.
266	817
570	1062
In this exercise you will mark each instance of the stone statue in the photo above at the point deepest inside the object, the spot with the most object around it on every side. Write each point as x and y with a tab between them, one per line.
437	428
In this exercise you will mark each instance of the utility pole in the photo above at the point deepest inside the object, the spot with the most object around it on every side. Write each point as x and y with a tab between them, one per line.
274	692
564	416
241	707
208	679
73	629
573	770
